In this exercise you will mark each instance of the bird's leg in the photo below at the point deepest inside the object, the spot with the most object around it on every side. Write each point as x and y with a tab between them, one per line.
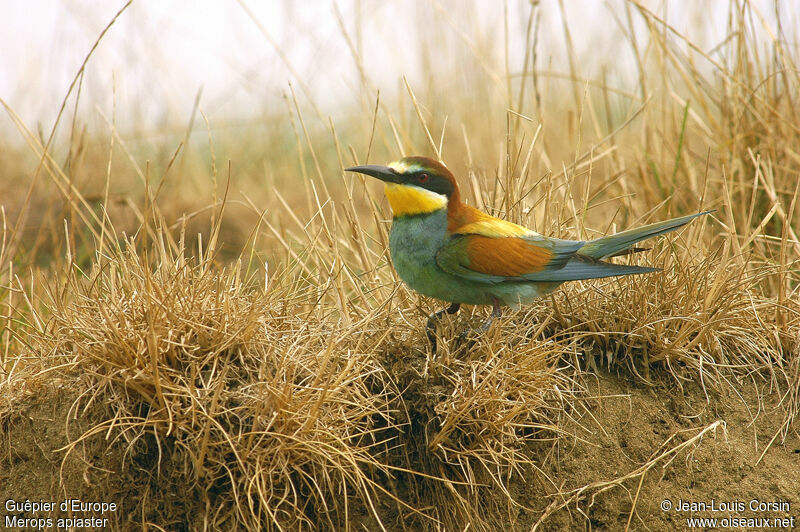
433	319
496	313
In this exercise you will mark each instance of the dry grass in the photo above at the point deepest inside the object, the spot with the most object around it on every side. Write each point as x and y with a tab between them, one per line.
249	396
257	353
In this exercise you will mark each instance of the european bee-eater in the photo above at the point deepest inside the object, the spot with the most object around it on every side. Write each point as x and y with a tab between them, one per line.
445	249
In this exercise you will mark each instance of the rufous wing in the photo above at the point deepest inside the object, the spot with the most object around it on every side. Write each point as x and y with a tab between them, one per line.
495	259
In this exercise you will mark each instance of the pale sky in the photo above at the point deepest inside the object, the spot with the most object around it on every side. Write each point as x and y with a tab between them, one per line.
159	54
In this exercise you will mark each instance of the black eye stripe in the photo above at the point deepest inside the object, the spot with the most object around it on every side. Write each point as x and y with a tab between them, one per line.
432	182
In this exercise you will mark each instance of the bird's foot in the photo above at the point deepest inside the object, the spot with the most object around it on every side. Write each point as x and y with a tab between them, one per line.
434	319
470	334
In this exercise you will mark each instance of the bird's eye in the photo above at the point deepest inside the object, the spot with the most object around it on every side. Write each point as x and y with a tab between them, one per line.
423	178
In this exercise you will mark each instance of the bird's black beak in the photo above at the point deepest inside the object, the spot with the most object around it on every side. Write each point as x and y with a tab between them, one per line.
384	173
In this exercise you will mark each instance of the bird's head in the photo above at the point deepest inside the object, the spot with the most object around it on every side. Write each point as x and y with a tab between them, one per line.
414	185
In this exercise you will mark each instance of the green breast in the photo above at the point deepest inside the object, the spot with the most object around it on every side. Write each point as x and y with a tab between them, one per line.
413	242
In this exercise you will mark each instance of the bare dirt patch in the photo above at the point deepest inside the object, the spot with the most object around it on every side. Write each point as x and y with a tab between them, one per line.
627	424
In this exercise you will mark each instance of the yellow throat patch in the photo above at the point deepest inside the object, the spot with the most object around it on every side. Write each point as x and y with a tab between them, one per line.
407	200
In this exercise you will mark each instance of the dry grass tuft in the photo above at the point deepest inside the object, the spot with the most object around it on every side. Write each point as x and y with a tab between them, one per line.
259	413
468	422
659	318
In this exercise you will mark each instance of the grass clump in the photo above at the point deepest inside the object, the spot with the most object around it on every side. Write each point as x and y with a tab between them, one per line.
469	419
247	413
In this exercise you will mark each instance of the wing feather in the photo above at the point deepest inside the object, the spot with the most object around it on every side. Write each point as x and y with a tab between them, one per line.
495	259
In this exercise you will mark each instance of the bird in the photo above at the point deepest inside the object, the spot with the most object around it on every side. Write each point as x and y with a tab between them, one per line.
445	249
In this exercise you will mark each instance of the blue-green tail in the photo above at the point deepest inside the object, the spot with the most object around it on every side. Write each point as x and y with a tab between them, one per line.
607	246
587	263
